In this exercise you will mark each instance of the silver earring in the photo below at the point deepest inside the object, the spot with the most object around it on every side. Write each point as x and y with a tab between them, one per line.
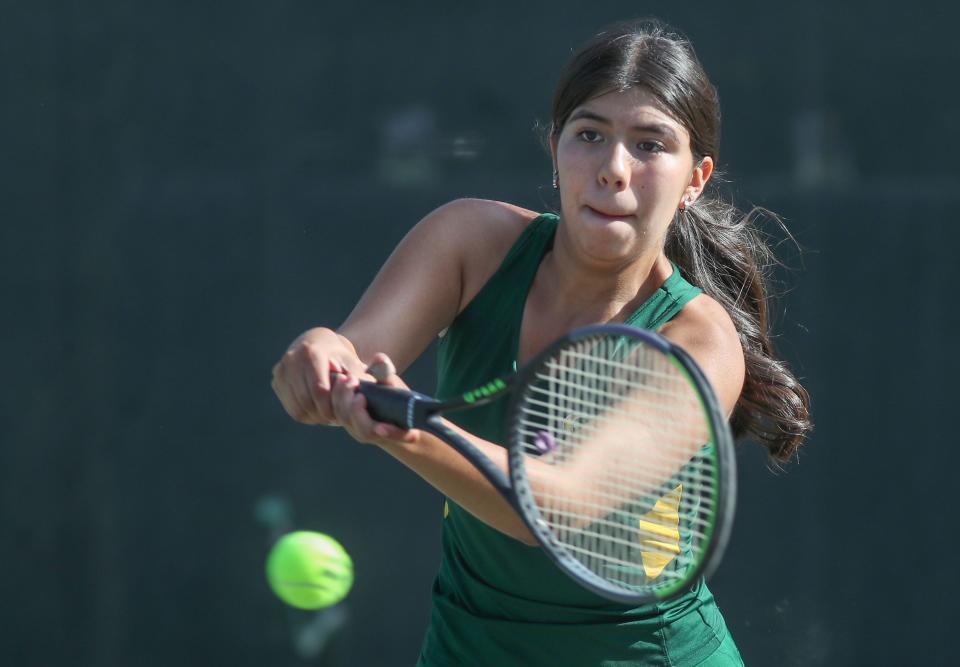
556	180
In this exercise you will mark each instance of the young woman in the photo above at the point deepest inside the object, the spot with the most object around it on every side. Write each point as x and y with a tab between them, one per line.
639	239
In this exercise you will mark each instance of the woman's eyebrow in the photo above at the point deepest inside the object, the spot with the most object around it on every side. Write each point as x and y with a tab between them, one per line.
652	128
588	115
657	128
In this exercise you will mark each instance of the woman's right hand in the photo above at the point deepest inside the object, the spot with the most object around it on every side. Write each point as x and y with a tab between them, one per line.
301	379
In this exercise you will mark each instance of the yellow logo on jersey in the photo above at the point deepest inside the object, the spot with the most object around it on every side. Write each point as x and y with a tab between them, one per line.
660	533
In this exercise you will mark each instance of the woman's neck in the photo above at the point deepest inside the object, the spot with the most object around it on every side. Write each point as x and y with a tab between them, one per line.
577	288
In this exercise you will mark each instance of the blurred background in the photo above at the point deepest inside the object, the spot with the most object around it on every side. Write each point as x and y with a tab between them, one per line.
187	186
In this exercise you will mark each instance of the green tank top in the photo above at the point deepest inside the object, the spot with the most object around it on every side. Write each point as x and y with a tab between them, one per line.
497	601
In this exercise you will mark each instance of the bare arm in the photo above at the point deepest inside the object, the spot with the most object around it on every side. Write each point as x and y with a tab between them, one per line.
435	461
452	475
431	276
433	273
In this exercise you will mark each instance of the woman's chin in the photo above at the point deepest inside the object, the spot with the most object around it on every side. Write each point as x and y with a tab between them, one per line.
611	244
612	248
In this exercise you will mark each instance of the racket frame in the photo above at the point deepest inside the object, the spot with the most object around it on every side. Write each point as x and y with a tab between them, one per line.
720	516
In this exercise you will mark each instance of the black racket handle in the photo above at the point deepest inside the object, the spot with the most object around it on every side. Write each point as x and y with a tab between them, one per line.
389	404
393	405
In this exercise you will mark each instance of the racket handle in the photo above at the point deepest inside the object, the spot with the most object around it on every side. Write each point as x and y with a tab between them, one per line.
389	404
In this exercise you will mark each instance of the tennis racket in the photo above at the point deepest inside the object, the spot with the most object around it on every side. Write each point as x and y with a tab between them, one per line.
620	459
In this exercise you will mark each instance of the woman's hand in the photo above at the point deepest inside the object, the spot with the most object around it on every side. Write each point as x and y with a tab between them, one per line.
350	406
302	380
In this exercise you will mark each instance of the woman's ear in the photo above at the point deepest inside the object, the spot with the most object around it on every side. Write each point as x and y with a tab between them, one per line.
698	180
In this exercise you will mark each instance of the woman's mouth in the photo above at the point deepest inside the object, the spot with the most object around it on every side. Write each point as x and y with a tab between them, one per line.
605	215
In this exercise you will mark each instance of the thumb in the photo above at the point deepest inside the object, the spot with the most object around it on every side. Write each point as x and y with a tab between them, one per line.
382	368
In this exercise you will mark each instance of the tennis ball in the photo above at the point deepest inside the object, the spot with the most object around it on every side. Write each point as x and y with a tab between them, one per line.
309	570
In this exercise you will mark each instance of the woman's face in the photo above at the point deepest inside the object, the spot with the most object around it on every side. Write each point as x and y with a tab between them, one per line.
624	166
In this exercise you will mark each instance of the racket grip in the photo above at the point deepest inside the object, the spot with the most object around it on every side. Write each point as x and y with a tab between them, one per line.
389	404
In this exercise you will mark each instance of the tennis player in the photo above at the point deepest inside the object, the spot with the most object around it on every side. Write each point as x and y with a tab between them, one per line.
640	238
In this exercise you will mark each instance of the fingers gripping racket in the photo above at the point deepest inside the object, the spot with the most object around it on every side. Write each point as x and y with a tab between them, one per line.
620	458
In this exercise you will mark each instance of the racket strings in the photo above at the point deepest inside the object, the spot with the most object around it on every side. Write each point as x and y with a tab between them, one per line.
623	430
589	403
606	528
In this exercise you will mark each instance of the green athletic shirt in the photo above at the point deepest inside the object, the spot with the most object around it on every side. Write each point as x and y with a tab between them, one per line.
498	602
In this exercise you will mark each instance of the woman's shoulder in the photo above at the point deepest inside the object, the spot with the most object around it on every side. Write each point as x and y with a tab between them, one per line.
704	316
705	329
494	221
483	231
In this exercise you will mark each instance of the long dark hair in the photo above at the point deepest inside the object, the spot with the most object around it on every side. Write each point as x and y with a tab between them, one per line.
716	246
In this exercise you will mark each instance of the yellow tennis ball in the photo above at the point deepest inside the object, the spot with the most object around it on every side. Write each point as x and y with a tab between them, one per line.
309	570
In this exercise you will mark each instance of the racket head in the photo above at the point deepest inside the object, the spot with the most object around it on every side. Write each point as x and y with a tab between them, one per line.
627	426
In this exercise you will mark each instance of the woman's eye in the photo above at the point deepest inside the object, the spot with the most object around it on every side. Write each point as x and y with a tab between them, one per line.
590	136
651	146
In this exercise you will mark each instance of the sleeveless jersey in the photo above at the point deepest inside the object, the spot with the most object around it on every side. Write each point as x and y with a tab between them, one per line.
498	602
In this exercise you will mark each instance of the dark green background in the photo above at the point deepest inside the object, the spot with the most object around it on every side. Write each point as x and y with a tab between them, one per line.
184	187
